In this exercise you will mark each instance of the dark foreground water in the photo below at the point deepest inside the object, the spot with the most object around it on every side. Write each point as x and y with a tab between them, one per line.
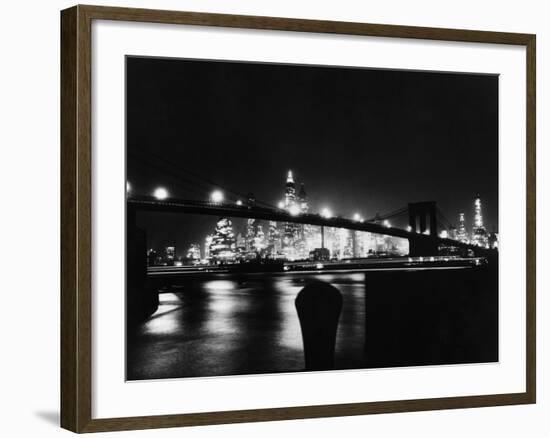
228	324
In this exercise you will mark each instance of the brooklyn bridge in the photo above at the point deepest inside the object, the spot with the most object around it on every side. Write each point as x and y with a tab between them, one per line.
424	220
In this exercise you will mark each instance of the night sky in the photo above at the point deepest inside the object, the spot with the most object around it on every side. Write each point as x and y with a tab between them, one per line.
360	140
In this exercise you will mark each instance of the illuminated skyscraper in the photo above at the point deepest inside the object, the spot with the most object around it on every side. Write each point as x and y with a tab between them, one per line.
273	239
240	244
344	243
462	235
290	191
170	253
194	251
250	234
223	246
207	244
259	240
290	228
479	233
478	218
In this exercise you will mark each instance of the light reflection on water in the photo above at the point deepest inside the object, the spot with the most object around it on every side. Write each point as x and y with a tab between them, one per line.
220	285
166	319
289	335
230	324
226	301
229	301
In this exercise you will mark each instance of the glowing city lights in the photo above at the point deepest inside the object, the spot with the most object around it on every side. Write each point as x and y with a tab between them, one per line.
216	196
289	178
480	237
326	213
264	239
160	193
294	210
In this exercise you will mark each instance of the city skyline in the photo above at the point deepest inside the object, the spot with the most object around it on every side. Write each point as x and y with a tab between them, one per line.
360	140
267	239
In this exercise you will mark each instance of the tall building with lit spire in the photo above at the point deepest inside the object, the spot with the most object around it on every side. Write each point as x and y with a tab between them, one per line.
479	233
290	191
462	235
290	233
478	217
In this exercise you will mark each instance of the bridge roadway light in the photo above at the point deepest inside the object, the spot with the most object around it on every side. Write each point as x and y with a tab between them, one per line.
216	196
326	213
128	187
160	193
387	224
294	210
281	205
239	202
357	217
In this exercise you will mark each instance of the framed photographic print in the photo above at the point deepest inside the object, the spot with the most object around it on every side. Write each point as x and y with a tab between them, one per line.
270	218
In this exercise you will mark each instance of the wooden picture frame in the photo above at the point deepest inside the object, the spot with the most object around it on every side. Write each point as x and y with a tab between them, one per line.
76	218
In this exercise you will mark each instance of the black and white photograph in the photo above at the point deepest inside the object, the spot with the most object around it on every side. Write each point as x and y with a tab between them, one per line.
286	218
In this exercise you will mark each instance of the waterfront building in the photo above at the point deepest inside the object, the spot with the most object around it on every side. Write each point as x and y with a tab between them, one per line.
312	237
169	254
223	246
240	243
274	244
319	254
207	244
259	240
250	234
194	251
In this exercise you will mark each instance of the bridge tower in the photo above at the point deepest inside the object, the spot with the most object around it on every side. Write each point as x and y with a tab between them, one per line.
422	218
423	223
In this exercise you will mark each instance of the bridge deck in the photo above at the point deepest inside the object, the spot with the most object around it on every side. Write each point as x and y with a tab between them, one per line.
148	203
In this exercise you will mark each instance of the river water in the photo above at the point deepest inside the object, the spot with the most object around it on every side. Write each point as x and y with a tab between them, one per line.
240	324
